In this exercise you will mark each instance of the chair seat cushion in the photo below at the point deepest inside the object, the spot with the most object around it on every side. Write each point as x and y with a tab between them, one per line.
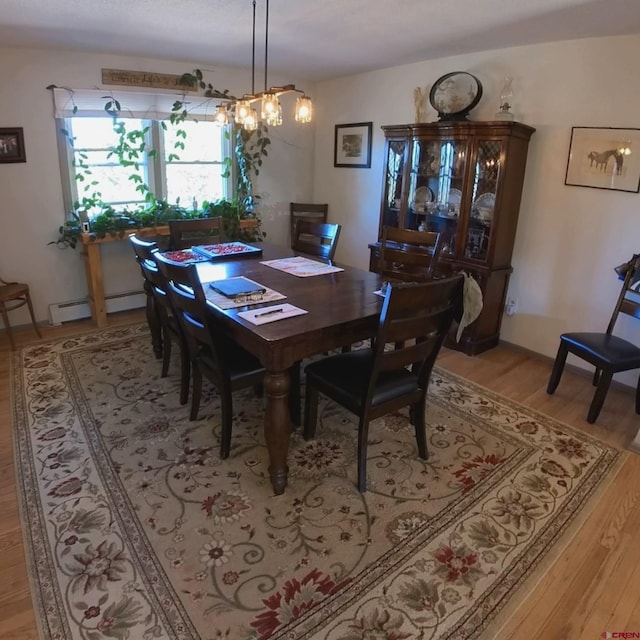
344	378
614	352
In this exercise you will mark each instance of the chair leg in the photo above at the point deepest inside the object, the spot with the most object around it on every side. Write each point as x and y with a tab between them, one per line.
196	391
596	377
420	428
33	317
7	326
185	373
166	352
600	395
294	395
310	412
558	367
153	320
227	423
363	439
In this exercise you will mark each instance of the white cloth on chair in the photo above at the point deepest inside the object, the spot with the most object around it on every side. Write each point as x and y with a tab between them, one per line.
471	303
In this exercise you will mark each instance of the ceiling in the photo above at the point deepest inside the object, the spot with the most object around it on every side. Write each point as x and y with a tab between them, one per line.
315	40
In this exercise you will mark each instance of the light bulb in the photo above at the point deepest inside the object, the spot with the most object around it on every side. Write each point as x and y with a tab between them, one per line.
221	117
250	122
243	108
304	109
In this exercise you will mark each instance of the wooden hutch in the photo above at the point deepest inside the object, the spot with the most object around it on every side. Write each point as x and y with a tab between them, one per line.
463	179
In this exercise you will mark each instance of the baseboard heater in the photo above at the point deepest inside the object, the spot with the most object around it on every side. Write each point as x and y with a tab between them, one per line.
78	309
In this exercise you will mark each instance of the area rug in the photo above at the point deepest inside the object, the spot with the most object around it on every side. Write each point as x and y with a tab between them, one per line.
136	529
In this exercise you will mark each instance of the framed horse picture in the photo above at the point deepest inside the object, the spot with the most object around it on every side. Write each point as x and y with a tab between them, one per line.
604	158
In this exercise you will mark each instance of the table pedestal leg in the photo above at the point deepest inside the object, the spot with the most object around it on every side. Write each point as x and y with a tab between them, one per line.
277	427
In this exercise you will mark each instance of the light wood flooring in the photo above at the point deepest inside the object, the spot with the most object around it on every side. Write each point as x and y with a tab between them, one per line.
592	587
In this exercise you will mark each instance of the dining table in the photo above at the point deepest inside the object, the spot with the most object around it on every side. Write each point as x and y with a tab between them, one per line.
341	309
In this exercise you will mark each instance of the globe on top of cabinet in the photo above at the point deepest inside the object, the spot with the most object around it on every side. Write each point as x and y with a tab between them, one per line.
463	179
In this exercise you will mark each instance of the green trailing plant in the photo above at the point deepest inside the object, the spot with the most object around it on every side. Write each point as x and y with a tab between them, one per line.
250	148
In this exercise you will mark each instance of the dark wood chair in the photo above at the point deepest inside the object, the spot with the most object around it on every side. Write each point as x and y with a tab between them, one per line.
143	250
213	354
186	233
376	381
407	255
14	295
171	328
306	211
316	239
609	354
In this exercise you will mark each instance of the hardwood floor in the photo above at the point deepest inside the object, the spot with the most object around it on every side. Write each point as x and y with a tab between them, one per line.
592	587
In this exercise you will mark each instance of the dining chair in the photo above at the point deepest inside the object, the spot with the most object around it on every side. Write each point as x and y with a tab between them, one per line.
212	353
144	250
168	321
316	239
609	354
186	233
14	295
407	255
306	211
375	381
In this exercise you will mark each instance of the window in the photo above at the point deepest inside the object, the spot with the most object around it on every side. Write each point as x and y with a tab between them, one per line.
186	169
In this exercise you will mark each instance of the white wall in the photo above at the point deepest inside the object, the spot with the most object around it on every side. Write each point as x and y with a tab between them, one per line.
31	207
569	238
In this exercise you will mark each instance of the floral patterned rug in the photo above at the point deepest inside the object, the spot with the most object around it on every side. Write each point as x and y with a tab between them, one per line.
136	529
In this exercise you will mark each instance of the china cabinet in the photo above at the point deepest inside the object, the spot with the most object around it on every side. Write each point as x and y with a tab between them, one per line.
463	179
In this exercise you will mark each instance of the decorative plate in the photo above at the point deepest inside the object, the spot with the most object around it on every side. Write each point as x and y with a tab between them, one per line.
455	196
484	206
455	94
423	196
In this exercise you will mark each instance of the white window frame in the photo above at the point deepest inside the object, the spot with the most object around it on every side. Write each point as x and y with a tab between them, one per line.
152	107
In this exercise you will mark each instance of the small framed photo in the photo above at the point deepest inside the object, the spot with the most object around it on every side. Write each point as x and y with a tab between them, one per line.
12	145
604	158
352	146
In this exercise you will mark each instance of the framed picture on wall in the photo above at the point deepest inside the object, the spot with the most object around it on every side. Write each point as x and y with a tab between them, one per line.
604	158
352	147
12	145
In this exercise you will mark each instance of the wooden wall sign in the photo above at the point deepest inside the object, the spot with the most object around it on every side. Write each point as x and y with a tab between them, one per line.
144	79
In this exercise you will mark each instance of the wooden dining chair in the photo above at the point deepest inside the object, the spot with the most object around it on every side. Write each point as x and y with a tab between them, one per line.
166	316
376	381
186	233
316	239
407	255
14	295
306	211
608	353
144	250
212	354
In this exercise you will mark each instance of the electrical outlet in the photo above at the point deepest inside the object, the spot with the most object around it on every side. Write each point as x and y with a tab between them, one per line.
511	307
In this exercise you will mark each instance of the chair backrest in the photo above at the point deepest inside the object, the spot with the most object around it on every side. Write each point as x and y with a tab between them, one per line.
408	255
629	299
190	306
415	317
306	211
186	233
316	238
143	249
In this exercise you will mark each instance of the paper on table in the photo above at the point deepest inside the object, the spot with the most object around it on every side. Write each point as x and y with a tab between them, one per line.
301	267
271	314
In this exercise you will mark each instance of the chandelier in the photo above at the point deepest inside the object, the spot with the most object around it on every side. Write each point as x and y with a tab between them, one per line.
243	110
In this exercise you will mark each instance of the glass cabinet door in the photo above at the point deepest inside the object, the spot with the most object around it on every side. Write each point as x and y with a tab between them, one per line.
486	177
435	189
393	182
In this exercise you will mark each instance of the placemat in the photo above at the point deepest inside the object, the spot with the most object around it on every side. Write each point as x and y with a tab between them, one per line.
301	267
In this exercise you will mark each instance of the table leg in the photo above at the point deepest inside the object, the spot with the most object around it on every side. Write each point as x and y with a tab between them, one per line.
277	426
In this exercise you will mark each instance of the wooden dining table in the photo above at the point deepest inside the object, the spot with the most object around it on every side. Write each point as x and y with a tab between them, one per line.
342	309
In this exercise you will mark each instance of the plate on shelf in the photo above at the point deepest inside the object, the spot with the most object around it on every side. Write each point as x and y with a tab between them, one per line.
455	94
455	196
423	196
484	205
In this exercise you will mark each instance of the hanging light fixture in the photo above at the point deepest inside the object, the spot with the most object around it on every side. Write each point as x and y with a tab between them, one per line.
242	110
